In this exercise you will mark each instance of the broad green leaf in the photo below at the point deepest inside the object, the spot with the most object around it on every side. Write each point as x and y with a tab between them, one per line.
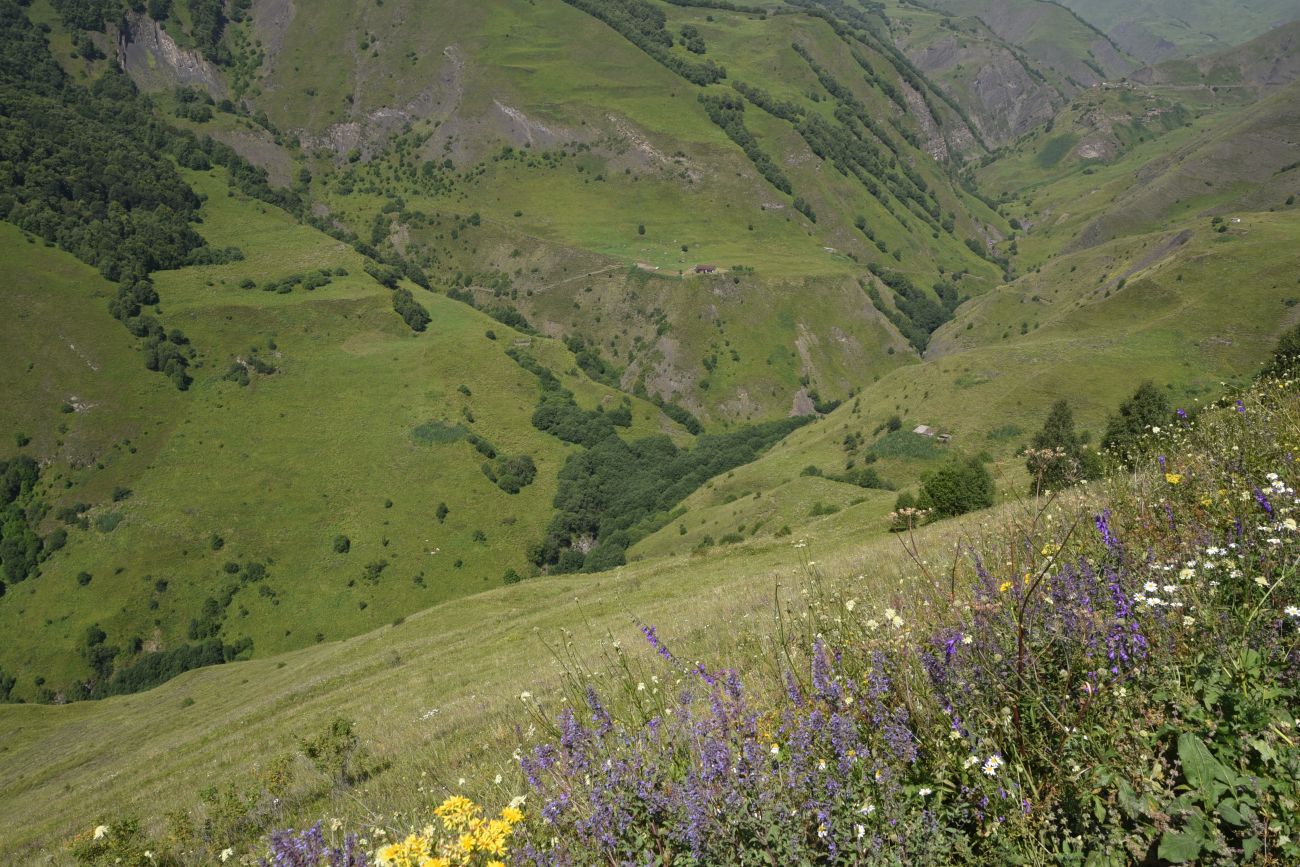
1265	751
1200	767
1228	810
1128	801
1179	847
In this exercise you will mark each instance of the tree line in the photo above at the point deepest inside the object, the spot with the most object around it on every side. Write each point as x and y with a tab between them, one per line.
642	24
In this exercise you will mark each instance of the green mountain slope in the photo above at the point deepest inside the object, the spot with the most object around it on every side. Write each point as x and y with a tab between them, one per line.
1050	34
1132	159
360	431
409	137
1188	309
433	690
1267	61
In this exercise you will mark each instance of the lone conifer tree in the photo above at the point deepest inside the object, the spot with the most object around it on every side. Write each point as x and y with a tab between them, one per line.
1058	457
1148	408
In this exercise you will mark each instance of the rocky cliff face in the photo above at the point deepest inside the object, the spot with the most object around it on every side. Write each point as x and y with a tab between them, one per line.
149	54
994	87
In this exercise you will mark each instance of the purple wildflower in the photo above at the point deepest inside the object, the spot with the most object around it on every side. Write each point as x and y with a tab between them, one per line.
290	848
1124	640
1103	527
653	638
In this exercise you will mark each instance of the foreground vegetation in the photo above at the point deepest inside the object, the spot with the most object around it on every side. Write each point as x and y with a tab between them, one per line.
1105	676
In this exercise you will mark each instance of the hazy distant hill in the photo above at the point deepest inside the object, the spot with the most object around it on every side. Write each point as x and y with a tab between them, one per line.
1157	29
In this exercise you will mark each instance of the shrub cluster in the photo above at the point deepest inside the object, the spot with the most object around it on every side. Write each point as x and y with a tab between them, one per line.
728	112
616	492
21	547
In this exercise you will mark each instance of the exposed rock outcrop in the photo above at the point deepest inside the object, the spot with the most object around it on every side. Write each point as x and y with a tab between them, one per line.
149	54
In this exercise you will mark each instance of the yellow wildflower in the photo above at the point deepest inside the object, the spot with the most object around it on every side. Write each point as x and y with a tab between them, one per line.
513	815
411	852
1004	587
1173	478
456	812
496	863
492	835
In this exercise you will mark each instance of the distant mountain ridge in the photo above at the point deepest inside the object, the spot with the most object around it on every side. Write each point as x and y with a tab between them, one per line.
1155	30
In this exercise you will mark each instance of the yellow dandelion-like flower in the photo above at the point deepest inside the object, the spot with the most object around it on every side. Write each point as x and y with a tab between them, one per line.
513	815
1173	478
457	812
1004	586
411	852
491	836
466	843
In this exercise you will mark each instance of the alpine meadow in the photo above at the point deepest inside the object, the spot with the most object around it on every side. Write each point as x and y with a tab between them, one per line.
669	433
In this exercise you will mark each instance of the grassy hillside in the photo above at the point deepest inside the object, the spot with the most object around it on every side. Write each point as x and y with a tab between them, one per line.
359	432
442	698
482	157
436	695
1130	161
1070	329
1051	34
492	117
1262	63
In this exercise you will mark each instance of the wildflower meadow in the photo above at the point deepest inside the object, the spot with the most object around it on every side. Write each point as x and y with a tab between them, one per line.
1104	675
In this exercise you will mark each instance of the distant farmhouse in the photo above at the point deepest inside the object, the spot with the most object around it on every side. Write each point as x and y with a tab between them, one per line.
926	431
705	269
